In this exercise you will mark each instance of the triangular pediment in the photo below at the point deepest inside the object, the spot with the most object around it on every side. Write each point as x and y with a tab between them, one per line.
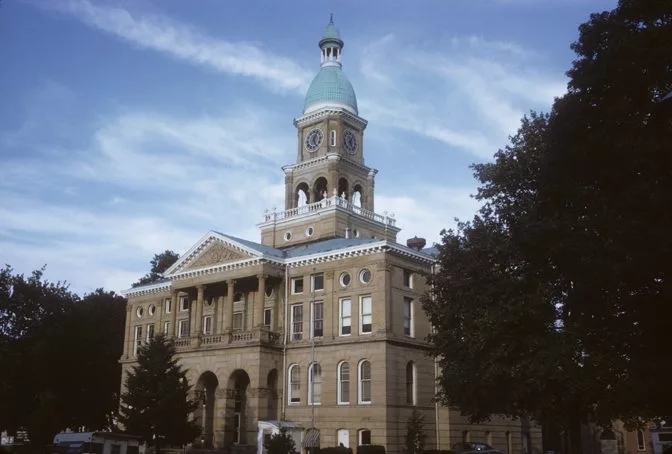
213	249
215	254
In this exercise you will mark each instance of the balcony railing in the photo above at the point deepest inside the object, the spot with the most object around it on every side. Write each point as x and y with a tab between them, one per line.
261	335
326	204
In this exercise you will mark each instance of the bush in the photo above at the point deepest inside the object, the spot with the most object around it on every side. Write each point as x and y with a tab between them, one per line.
335	450
370	449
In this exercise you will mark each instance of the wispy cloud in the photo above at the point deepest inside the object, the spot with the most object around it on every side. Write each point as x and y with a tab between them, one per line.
186	43
469	94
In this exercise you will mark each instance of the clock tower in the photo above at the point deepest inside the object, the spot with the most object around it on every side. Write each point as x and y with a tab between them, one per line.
329	191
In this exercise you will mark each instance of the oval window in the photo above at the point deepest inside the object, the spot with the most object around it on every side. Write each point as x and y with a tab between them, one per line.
365	276
139	311
344	279
152	309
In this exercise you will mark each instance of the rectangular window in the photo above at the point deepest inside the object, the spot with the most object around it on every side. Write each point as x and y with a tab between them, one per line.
268	314
207	324
318	320
317	282
150	332
297	285
168	305
166	328
183	328
408	316
237	322
137	340
297	322
184	303
408	279
365	315
345	317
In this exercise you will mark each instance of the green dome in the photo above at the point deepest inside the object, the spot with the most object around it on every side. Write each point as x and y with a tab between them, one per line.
331	33
330	88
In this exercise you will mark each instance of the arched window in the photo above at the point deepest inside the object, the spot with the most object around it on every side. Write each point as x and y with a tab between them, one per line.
343	383
641	441
364	436
410	383
364	388
332	138
294	391
315	384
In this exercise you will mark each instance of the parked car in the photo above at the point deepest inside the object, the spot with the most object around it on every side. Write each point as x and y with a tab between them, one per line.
474	447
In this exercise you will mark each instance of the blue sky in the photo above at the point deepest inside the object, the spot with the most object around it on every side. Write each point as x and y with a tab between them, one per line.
131	127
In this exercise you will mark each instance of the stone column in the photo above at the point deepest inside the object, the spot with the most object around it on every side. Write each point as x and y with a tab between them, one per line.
129	329
221	315
258	308
173	314
230	289
386	287
198	325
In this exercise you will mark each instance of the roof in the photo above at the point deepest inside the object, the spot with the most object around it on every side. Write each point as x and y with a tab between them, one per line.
266	250
330	87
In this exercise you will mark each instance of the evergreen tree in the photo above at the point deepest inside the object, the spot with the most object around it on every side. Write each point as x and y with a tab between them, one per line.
155	403
415	433
159	264
280	443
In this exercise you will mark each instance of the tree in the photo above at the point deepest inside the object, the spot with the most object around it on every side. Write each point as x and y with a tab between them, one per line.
160	263
155	403
415	434
61	355
280	443
28	306
553	302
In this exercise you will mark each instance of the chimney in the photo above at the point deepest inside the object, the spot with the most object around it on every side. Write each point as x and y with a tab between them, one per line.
416	243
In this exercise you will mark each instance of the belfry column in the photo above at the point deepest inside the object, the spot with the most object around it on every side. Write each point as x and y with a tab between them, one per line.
230	284
258	309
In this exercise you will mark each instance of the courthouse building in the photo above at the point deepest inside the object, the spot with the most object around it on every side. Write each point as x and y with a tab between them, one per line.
320	323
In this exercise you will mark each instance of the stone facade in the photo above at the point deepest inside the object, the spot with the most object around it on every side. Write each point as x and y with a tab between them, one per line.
321	322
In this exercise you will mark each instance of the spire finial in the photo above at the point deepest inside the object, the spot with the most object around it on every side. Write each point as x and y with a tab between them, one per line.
331	18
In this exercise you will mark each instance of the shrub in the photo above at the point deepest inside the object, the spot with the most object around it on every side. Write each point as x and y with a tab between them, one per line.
370	449
335	450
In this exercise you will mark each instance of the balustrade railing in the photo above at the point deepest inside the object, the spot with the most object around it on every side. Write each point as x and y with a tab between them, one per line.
262	335
327	203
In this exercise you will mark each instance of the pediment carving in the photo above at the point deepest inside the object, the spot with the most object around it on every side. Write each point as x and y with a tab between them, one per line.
215	254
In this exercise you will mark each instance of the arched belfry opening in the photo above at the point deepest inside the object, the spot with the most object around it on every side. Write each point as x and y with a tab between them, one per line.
205	389
320	189
272	395
343	188
302	195
236	424
357	196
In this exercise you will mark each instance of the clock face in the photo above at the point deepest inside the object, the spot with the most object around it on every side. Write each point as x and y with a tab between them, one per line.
350	142
314	139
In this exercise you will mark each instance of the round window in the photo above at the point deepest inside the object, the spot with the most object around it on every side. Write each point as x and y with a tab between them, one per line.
344	279
139	311
152	309
309	231
288	236
365	276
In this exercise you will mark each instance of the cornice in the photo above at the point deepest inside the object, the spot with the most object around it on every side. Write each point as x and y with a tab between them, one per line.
325	112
